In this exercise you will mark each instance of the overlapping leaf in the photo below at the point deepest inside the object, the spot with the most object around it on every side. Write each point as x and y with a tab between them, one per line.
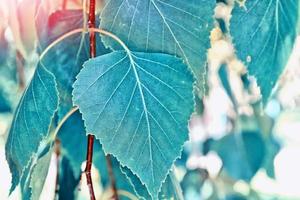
65	59
138	106
175	27
34	176
170	188
31	122
263	33
74	144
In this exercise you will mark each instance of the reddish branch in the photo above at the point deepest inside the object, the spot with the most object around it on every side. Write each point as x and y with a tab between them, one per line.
92	24
88	167
20	68
57	153
89	155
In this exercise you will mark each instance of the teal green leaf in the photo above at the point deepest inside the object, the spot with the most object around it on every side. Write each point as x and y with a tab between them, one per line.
122	182
263	34
139	188
75	47
67	181
138	106
34	177
5	104
72	136
242	154
174	27
170	188
69	55
31	123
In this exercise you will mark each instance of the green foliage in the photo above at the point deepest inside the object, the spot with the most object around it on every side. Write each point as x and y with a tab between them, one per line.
34	177
138	96
64	68
242	154
175	27
72	136
4	102
145	90
264	33
32	122
170	188
67	180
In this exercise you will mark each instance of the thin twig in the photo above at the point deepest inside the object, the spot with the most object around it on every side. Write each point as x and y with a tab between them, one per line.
62	122
20	68
88	167
89	155
82	30
57	153
111	178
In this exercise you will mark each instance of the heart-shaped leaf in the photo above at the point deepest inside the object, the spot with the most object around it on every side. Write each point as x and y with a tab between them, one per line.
138	106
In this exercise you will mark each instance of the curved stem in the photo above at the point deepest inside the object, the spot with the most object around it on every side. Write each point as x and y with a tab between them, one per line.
64	119
83	30
58	40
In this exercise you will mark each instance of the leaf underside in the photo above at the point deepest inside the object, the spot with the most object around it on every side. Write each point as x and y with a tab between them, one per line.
142	113
31	122
34	177
263	34
174	27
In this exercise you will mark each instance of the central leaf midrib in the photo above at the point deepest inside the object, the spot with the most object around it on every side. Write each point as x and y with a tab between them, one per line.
132	64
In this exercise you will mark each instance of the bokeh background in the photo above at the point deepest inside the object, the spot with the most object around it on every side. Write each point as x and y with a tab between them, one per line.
238	149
